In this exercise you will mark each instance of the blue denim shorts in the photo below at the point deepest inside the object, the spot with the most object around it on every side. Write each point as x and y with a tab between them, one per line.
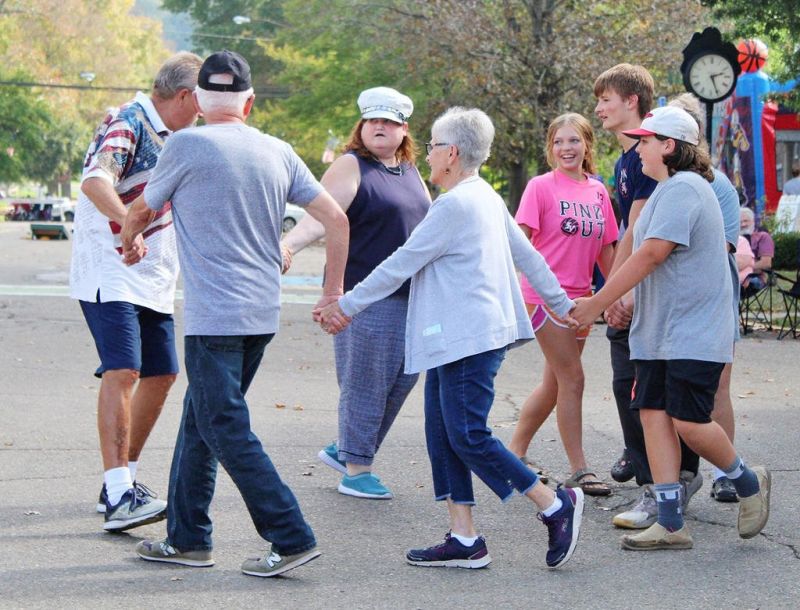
129	336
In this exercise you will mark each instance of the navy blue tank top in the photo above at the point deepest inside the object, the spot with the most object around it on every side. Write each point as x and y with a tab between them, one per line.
385	210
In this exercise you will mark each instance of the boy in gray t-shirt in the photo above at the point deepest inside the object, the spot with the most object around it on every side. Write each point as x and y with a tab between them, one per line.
681	336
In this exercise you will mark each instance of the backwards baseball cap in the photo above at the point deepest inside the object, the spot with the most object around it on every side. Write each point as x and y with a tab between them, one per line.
669	121
385	103
224	71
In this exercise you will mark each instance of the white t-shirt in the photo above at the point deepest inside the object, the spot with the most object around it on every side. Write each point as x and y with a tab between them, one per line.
124	151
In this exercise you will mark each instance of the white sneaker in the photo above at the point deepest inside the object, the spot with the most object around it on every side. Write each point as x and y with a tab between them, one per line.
641	516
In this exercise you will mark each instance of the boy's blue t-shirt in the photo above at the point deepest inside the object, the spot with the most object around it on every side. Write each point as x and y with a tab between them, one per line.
630	182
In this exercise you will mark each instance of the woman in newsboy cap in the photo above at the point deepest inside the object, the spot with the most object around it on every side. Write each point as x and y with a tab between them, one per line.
380	189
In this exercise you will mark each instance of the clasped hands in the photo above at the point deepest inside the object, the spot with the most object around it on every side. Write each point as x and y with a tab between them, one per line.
618	315
330	316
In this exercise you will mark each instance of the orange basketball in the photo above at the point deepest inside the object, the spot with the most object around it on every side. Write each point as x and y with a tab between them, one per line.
752	55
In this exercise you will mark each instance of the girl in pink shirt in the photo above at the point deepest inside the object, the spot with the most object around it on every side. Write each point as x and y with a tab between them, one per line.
568	217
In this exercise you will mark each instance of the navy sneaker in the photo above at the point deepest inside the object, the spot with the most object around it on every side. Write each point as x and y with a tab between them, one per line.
132	510
564	526
451	554
141	489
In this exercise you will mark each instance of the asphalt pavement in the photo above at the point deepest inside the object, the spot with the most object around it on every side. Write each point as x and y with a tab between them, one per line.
54	552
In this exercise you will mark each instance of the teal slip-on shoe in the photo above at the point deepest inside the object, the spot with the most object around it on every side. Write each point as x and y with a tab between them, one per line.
364	485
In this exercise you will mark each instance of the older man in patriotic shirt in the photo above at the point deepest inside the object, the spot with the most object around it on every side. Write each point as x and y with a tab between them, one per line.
129	309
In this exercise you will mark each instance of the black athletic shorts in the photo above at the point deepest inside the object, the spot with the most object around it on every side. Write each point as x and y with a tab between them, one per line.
683	388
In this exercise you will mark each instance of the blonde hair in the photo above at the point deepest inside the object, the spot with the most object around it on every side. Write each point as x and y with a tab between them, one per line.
585	131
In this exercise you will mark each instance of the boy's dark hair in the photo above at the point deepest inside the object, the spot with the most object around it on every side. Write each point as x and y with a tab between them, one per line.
627	80
688	158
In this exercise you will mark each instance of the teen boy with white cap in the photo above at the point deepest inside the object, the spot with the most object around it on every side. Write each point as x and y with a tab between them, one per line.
681	335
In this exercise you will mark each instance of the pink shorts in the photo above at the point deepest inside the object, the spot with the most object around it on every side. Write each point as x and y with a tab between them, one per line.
542	313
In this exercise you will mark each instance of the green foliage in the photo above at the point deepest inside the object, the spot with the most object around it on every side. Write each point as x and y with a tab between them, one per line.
24	120
785	250
776	21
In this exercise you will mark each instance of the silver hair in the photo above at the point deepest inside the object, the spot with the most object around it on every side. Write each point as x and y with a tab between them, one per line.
468	129
691	104
751	221
214	101
178	72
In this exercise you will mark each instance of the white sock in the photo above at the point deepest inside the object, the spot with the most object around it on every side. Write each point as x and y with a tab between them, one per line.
717	473
132	467
465	540
118	481
553	508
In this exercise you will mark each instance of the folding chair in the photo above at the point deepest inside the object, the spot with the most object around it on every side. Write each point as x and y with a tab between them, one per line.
791	298
755	305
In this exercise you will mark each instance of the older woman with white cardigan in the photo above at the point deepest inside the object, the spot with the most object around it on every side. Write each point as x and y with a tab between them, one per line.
465	310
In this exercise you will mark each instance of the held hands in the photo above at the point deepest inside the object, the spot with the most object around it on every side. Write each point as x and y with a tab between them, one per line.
584	313
329	315
620	313
133	251
286	255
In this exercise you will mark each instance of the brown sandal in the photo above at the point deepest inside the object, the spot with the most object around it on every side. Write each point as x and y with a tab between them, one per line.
590	488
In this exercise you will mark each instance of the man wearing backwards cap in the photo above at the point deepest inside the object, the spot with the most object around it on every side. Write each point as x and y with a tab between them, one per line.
228	184
681	334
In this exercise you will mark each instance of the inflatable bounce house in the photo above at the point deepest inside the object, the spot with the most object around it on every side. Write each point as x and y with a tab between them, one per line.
755	139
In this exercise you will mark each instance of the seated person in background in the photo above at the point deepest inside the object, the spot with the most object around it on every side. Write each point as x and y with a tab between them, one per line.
744	260
762	246
792	187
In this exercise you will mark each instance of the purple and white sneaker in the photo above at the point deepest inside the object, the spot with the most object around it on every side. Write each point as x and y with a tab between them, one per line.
451	554
564	526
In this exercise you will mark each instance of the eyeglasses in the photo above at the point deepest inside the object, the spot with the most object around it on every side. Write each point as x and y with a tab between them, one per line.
429	146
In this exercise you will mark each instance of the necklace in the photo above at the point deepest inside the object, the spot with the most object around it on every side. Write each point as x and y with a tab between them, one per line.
397	170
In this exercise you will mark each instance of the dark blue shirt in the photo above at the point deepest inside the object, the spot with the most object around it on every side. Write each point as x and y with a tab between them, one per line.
631	183
385	210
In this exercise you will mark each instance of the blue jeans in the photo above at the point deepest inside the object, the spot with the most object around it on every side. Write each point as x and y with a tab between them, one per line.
458	397
215	427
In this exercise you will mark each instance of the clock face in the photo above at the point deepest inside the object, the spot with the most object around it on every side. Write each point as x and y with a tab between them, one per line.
711	77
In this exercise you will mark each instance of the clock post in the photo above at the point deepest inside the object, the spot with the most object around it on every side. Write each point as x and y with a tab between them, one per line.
710	68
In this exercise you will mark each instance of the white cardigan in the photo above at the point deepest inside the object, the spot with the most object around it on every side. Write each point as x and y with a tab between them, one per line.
465	296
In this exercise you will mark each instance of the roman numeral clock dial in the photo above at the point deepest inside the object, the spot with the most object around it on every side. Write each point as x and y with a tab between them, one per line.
711	77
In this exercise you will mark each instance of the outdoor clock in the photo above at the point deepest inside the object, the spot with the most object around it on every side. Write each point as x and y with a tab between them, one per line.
710	76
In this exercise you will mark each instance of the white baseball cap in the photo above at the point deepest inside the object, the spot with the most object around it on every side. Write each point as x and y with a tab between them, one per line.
669	121
385	103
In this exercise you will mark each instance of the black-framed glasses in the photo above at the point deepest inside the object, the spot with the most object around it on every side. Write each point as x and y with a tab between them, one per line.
429	146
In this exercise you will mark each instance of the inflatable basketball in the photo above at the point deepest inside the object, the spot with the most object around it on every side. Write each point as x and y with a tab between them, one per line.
752	55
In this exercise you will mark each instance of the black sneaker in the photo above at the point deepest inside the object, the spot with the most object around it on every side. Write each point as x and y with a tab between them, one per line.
564	526
723	490
451	554
622	470
140	488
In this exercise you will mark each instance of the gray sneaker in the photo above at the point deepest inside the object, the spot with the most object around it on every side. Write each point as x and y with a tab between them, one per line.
690	485
161	550
273	564
641	516
132	510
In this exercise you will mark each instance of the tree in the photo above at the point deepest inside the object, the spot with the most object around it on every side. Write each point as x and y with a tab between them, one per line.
522	61
53	42
776	20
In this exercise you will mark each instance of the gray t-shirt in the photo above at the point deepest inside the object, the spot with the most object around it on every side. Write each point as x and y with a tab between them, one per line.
229	184
683	308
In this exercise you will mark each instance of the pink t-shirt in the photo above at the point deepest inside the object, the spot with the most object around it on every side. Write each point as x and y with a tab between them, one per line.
570	222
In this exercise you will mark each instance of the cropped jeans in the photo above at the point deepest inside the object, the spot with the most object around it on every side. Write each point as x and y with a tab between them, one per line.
215	428
458	397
